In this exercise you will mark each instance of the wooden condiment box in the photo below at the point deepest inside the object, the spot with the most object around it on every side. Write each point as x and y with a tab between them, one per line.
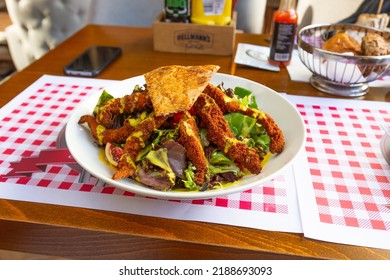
194	38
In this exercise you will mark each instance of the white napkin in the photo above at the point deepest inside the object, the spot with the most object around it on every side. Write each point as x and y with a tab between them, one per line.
255	56
297	70
300	73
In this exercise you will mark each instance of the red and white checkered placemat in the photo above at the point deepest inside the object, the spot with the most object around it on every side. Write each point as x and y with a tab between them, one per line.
341	180
350	193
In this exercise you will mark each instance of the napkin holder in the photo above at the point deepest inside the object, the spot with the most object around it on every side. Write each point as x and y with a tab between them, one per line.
194	38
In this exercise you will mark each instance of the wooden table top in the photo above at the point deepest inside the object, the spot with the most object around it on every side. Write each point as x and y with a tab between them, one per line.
79	233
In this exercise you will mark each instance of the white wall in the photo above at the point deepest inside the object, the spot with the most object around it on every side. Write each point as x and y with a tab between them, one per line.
325	11
250	15
125	12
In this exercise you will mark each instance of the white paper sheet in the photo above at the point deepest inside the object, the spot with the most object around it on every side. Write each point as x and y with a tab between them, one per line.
255	56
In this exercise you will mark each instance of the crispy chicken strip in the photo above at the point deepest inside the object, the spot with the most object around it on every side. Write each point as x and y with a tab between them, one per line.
218	132
117	135
134	144
102	135
228	105
189	138
92	124
136	102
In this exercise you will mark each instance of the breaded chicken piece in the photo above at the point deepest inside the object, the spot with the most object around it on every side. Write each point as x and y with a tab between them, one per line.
136	102
135	143
117	135
189	138
228	105
218	132
102	135
92	124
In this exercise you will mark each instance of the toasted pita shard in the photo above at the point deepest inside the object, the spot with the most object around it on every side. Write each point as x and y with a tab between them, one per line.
175	88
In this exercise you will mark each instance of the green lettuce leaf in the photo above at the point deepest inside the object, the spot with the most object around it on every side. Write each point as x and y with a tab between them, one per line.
161	135
219	163
190	175
240	124
244	96
218	158
104	97
160	159
248	130
260	137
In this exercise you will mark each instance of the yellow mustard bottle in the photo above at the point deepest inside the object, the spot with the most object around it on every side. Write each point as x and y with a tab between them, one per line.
211	12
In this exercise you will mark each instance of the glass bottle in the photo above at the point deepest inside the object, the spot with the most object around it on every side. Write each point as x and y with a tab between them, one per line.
284	28
177	10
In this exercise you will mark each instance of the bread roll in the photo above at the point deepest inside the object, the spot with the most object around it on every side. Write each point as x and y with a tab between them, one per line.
342	43
374	45
379	21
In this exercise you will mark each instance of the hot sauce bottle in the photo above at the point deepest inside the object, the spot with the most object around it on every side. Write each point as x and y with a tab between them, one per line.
284	28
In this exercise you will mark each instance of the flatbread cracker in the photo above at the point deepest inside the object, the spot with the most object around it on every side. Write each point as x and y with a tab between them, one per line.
175	88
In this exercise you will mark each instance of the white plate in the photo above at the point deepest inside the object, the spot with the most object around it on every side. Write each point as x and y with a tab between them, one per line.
87	154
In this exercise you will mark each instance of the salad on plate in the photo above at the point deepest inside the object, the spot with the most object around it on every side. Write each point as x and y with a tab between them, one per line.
180	132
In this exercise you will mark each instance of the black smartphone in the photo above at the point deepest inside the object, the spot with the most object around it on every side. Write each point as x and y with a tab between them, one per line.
93	61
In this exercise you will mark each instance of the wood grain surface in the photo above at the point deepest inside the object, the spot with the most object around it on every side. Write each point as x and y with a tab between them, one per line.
79	233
